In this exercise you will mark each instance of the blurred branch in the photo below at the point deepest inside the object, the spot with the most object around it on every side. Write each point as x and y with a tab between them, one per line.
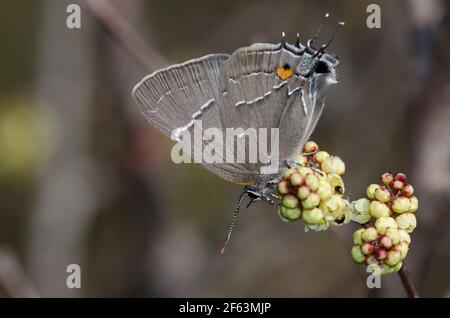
119	28
13	278
407	283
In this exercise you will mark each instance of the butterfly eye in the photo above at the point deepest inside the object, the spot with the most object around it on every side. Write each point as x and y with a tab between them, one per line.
322	68
338	189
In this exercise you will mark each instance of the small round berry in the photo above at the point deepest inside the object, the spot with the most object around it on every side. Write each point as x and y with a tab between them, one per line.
381	253
301	160
290	201
357	236
312	182
401	205
371	191
407	222
414	204
303	192
386	241
304	171
382	194
288	173
384	223
311	201
357	256
378	209
403	248
370	234
367	248
296	179
333	165
408	190
290	214
396	186
393	258
387	178
313	216
283	187
400	177
320	156
310	147
324	193
393	234
404	236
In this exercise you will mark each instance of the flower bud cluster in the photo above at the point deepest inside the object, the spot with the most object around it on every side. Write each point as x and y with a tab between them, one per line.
390	205
313	190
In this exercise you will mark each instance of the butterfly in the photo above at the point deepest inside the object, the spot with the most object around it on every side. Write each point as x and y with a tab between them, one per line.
264	85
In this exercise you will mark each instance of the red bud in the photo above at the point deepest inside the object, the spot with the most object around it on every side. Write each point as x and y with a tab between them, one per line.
400	177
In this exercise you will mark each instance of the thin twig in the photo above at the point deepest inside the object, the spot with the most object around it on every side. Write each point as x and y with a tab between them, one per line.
119	28
407	283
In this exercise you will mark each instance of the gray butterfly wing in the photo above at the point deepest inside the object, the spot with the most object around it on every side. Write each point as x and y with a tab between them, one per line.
237	91
255	97
172	97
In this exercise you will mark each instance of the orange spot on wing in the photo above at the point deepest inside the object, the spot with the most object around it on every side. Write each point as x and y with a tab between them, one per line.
284	72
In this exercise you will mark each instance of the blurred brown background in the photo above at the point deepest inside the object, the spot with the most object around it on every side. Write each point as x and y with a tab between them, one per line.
85	180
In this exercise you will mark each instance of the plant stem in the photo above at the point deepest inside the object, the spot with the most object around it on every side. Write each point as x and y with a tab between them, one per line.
407	283
125	35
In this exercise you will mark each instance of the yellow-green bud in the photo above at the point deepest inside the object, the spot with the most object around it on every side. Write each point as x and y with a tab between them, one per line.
321	156
407	222
335	203
357	256
378	209
401	205
393	258
404	236
360	211
313	216
366	248
403	248
370	234
283	187
301	160
304	171
384	223
290	201
288	173
371	191
386	241
310	147
290	214
393	234
382	194
303	192
397	267
312	182
357	236
296	179
414	204
311	201
333	165
336	181
324	192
